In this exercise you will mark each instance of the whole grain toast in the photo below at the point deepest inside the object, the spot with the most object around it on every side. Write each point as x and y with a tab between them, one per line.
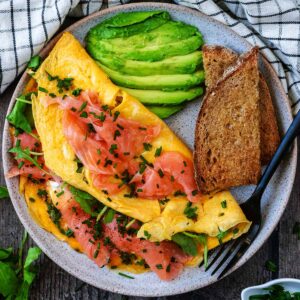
216	60
227	136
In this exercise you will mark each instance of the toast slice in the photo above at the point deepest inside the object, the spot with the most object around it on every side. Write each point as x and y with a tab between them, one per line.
227	136
216	60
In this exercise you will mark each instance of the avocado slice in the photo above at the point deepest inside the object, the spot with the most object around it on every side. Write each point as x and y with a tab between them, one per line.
165	111
127	24
183	64
155	82
156	97
151	52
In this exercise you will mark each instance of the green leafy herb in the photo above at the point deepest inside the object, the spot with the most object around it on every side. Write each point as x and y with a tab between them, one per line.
224	204
125	275
69	233
190	212
21	115
187	244
76	92
108	218
147	146
26	154
202	239
296	229
3	192
159	267
16	277
158	151
87	202
34	63
271	266
221	235
147	234
276	292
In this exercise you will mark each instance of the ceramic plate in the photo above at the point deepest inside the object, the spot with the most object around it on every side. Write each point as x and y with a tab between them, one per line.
274	201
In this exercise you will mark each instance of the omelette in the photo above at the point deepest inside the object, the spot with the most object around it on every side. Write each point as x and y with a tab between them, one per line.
107	176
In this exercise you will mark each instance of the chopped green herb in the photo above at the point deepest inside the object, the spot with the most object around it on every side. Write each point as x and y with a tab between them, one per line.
271	266
42	193
60	194
179	193
235	230
194	192
34	63
147	234
221	235
147	146
31	199
125	275
224	204
190	212
76	92
116	115
112	148
83	114
69	233
116	134
41	89
160	173
158	151
159	266
83	106
52	95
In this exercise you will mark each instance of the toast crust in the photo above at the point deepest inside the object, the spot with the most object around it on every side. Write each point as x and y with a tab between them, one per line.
216	60
227	136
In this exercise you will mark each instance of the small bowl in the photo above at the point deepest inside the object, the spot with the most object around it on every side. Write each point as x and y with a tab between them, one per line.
289	284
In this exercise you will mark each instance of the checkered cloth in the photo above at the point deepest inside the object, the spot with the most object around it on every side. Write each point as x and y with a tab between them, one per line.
273	25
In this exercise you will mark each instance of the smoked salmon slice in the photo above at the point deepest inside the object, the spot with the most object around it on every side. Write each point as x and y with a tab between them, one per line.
166	259
110	146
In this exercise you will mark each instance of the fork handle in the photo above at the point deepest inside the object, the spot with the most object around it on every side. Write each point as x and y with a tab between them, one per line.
282	149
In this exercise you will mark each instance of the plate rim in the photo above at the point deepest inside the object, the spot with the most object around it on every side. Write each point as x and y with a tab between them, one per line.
45	50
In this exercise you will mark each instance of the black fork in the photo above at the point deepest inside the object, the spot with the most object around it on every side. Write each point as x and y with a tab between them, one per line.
227	255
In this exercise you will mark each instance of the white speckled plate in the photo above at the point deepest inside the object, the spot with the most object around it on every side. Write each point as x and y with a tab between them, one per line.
274	201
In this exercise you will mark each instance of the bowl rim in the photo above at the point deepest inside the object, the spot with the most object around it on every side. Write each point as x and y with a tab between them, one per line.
44	52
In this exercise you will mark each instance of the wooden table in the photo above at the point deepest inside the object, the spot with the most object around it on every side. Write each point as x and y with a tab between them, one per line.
54	283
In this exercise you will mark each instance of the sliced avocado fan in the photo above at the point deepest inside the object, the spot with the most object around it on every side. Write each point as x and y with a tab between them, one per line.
157	97
183	64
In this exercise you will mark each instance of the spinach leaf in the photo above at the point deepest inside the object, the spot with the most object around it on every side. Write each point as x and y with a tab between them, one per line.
8	280
3	192
202	239
86	201
5	253
19	115
28	273
109	216
34	63
187	244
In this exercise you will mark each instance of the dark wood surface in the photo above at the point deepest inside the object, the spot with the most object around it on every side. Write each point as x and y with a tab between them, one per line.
54	283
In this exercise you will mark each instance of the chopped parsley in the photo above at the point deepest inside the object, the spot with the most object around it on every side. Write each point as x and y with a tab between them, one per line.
83	106
224	204
160	173
147	234
76	92
147	146
125	275
158	151
41	89
190	212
